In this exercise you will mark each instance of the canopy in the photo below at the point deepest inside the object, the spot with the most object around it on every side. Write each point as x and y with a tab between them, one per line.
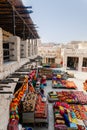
15	18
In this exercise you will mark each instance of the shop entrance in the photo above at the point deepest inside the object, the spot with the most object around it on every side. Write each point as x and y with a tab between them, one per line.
84	62
72	63
50	60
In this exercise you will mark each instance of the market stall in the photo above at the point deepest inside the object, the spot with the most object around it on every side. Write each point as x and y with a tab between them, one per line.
28	108
41	112
45	71
85	85
52	96
20	92
69	117
64	74
57	82
71	97
34	110
14	105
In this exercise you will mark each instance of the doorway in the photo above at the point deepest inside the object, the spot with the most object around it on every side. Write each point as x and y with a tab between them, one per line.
72	63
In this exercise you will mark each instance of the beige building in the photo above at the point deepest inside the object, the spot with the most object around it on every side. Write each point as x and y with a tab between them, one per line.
18	44
50	52
18	36
14	52
75	55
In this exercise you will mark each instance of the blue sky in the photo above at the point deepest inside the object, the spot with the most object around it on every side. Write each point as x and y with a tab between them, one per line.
60	20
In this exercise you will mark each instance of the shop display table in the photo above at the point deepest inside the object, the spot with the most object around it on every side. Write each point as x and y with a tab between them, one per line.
69	117
28	117
43	121
45	71
41	112
63	84
52	96
71	97
29	108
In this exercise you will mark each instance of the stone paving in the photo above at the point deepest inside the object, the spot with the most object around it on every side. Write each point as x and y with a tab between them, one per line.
79	79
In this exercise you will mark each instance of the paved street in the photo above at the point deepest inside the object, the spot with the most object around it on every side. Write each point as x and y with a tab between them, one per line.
79	79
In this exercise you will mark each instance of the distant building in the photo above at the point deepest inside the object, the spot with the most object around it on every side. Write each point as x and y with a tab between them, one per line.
50	52
75	55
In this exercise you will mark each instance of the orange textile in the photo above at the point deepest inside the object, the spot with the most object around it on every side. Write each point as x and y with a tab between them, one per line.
70	84
31	88
85	85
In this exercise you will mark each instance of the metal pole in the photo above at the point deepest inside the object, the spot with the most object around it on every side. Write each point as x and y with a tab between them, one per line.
17	13
23	31
14	21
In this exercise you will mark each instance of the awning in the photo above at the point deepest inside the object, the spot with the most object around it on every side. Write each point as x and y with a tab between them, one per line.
15	18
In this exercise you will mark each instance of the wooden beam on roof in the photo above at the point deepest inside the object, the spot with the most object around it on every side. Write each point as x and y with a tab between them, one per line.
4	7
26	17
5	13
10	22
5	10
20	31
22	19
18	28
23	7
10	17
4	3
20	12
31	24
25	12
18	7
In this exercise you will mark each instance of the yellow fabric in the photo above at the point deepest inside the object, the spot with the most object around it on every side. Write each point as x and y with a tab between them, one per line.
58	76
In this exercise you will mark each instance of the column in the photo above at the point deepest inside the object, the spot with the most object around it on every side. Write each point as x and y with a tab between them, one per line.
32	47
16	46
24	49
36	47
65	61
29	51
80	63
43	60
1	51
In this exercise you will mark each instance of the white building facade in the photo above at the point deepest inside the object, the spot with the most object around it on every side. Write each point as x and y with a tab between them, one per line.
75	56
51	53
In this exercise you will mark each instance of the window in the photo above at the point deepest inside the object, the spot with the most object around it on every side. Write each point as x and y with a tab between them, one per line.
84	62
8	51
5	52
